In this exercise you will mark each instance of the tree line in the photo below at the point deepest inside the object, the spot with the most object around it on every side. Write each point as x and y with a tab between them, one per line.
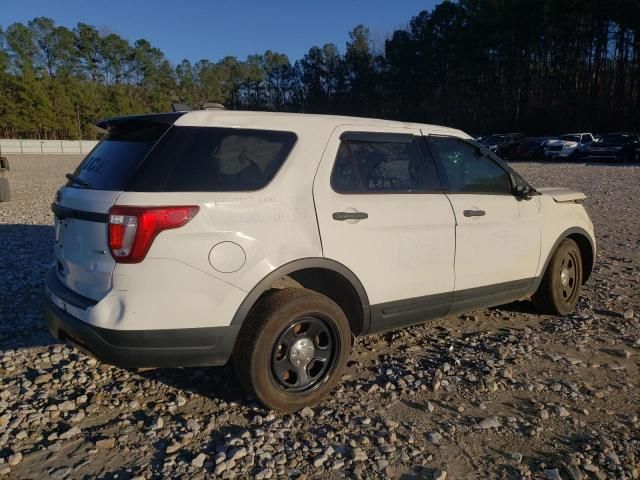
537	66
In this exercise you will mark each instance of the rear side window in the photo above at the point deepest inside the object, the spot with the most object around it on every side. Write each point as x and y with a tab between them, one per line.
466	170
111	164
209	159
343	177
379	167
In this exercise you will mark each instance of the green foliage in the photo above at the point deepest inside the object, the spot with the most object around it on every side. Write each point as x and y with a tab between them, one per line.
537	66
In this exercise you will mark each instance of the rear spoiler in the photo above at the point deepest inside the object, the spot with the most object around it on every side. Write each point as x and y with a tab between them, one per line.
162	118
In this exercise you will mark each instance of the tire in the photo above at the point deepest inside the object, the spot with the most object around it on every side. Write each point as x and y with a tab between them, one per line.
5	194
276	334
560	287
4	163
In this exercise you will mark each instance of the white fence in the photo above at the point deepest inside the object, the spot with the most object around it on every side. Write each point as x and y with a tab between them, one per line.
46	147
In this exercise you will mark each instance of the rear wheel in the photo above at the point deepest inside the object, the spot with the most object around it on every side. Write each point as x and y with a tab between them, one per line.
560	287
292	348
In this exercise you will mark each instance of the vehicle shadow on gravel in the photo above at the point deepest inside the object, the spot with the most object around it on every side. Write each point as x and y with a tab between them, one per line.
209	382
517	307
26	253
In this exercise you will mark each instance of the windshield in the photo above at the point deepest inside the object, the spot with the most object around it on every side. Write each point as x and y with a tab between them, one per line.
495	140
570	138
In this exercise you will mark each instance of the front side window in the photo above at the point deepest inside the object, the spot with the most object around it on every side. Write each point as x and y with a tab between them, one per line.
466	170
212	159
378	167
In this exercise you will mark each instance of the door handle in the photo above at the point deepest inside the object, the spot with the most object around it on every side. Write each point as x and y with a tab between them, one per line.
474	213
342	216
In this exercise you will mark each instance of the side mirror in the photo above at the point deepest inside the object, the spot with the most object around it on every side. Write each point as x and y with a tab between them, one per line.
522	192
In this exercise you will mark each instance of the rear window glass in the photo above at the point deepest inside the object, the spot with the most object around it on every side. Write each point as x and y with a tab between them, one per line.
110	165
207	159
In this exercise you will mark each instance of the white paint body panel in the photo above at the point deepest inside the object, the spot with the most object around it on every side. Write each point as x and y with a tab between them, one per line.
406	248
81	250
501	246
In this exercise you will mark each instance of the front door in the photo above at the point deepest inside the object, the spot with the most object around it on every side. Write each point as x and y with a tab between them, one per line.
381	214
497	234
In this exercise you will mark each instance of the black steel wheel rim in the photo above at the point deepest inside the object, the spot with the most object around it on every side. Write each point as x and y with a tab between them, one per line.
305	354
568	277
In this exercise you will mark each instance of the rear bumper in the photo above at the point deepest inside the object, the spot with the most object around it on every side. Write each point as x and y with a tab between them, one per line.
142	348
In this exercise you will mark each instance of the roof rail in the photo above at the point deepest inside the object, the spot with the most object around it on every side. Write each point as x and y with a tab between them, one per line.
212	106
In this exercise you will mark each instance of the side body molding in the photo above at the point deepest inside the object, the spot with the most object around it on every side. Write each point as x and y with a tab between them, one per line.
302	264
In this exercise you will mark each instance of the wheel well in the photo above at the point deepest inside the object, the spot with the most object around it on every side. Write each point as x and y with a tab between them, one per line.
586	252
334	286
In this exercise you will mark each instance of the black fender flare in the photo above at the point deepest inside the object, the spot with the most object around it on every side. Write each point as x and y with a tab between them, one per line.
568	232
311	262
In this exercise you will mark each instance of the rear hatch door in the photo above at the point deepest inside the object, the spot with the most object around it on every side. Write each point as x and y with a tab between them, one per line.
83	261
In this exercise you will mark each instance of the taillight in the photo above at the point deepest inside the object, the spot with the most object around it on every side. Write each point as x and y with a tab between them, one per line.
132	229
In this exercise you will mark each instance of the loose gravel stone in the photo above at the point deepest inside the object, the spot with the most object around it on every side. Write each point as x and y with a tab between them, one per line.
15	459
72	432
490	422
198	462
306	412
440	475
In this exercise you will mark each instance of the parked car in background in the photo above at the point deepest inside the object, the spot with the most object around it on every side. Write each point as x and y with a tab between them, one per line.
570	146
620	147
531	149
503	144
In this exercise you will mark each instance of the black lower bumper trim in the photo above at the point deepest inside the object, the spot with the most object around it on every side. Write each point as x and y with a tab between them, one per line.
188	347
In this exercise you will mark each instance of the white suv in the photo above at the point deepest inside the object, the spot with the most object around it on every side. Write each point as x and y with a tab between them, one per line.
189	238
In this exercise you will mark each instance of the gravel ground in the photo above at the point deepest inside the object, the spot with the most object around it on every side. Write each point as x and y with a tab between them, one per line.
499	393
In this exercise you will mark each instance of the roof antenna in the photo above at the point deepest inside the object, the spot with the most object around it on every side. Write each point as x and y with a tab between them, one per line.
180	107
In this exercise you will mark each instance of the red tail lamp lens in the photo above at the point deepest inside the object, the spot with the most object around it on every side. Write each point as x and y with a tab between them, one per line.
133	229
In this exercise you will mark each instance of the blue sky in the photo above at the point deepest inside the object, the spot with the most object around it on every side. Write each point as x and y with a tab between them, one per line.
213	29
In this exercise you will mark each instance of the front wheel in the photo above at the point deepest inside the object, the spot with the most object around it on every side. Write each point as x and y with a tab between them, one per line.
560	287
292	348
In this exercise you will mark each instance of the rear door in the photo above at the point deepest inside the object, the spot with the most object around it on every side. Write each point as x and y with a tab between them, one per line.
83	261
381	214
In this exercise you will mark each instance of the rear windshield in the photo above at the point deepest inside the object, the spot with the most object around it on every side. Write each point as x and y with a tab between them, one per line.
212	159
152	157
110	165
